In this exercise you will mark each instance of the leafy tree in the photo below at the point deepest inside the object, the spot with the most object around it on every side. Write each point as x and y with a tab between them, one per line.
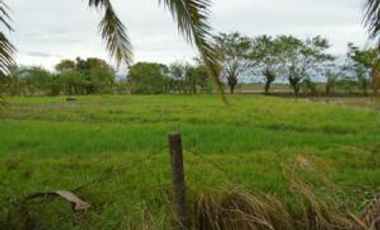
303	59
294	65
266	56
29	81
65	65
197	77
187	78
233	50
376	73
148	78
99	75
177	74
372	21
94	76
360	62
331	74
73	82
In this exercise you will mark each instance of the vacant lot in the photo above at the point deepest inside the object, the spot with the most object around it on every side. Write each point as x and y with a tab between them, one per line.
50	144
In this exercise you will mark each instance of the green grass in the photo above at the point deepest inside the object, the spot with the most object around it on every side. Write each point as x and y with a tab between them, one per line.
50	144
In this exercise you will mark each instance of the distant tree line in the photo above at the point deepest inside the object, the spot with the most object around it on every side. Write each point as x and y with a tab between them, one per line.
304	64
176	78
72	77
95	76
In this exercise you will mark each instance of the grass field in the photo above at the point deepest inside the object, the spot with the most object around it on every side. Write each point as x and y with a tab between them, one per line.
50	144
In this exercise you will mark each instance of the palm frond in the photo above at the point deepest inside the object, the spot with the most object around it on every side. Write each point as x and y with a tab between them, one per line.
7	50
192	17
113	32
372	17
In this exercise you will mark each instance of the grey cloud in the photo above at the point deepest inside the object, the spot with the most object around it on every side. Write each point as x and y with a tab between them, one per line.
69	28
42	54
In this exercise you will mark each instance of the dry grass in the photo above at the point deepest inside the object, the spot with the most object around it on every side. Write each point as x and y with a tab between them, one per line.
241	210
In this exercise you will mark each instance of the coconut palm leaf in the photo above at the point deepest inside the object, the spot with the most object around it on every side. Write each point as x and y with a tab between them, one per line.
7	50
191	17
372	17
192	20
113	32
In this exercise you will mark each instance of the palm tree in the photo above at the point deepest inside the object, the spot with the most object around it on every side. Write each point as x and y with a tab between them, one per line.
191	17
7	50
372	21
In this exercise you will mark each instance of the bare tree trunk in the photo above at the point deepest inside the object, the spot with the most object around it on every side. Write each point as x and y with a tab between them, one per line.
267	87
232	82
294	82
232	89
270	77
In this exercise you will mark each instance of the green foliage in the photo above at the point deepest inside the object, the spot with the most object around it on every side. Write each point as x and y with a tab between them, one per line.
148	78
65	65
91	76
30	81
73	82
303	59
186	78
233	52
360	62
266	55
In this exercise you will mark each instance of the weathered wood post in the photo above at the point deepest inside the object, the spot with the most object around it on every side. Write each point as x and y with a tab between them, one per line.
178	176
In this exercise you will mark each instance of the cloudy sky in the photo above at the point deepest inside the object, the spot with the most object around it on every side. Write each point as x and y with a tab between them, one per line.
49	30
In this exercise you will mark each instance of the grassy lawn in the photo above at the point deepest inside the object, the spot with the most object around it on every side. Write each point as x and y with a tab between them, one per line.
50	144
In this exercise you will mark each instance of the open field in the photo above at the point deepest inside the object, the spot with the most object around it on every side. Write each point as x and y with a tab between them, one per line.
50	144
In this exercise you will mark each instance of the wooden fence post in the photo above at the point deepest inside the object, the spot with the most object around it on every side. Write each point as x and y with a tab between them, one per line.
178	176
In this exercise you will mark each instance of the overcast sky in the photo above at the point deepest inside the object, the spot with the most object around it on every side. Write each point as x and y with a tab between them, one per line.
49	30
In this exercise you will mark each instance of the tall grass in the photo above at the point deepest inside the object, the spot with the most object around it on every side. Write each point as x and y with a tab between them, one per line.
49	144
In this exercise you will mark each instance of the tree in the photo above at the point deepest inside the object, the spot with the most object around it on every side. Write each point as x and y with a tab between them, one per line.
65	65
148	78
29	81
266	56
360	62
72	82
331	73
187	78
294	65
233	50
98	74
177	74
303	59
372	21
196	77
93	76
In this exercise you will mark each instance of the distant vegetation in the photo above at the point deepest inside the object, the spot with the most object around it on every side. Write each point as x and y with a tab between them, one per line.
304	65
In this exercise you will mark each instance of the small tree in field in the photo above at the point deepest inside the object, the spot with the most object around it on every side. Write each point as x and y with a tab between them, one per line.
303	59
266	57
148	78
331	74
365	65
233	50
85	76
187	78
